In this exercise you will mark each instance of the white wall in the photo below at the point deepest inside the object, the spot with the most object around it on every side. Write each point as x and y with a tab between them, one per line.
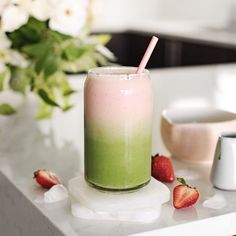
211	12
124	11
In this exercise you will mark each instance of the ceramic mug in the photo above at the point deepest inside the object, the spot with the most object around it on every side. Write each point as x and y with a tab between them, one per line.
223	173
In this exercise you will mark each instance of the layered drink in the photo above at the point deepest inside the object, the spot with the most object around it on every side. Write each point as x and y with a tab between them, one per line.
118	124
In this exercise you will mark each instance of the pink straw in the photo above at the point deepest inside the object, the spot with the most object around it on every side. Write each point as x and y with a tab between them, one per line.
147	55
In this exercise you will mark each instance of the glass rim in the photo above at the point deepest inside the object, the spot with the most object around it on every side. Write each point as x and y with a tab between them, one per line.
119	72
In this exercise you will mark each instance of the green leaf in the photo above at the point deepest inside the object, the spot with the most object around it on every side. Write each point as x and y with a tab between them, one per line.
67	107
104	38
45	97
48	64
181	180
38	49
3	75
20	79
99	39
45	111
56	36
69	92
46	57
101	60
32	32
60	82
73	52
82	64
6	109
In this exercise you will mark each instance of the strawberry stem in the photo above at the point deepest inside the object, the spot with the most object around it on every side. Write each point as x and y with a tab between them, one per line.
181	180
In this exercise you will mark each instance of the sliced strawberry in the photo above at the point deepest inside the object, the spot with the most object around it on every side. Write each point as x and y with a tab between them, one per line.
46	178
162	169
184	195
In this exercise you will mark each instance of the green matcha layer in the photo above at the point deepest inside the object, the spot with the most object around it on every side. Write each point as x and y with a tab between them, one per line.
118	161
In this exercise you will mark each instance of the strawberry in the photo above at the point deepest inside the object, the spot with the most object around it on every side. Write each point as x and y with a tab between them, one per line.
46	178
184	195
162	169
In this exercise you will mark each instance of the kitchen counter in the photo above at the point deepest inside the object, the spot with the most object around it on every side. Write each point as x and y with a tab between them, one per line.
57	144
195	32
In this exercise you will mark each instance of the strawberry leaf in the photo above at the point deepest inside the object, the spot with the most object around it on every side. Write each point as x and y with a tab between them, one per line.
181	180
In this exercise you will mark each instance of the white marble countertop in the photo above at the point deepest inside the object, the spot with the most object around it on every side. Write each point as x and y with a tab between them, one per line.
57	144
208	34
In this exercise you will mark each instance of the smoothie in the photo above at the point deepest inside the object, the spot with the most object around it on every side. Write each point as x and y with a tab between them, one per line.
118	124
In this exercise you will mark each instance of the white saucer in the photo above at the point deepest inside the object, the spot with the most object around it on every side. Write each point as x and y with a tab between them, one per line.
143	205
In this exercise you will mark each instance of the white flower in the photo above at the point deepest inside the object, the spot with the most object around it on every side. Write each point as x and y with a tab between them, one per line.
105	52
69	16
3	4
5	43
66	16
17	12
41	9
9	56
15	15
15	58
2	67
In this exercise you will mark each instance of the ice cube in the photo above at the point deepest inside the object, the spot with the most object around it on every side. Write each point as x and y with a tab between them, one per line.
55	194
217	201
78	210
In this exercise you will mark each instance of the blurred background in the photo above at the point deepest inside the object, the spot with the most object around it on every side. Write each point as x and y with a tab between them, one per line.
191	32
202	11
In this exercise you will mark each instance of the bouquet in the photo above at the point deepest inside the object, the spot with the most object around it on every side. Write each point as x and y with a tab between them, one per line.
40	42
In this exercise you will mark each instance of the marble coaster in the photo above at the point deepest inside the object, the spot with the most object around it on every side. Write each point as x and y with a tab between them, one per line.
143	205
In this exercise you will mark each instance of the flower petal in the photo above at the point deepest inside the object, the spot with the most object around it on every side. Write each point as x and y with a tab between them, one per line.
41	9
2	67
15	58
3	5
105	52
69	17
5	42
13	18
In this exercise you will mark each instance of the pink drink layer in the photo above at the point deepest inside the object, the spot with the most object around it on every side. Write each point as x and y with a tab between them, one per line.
118	118
113	101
